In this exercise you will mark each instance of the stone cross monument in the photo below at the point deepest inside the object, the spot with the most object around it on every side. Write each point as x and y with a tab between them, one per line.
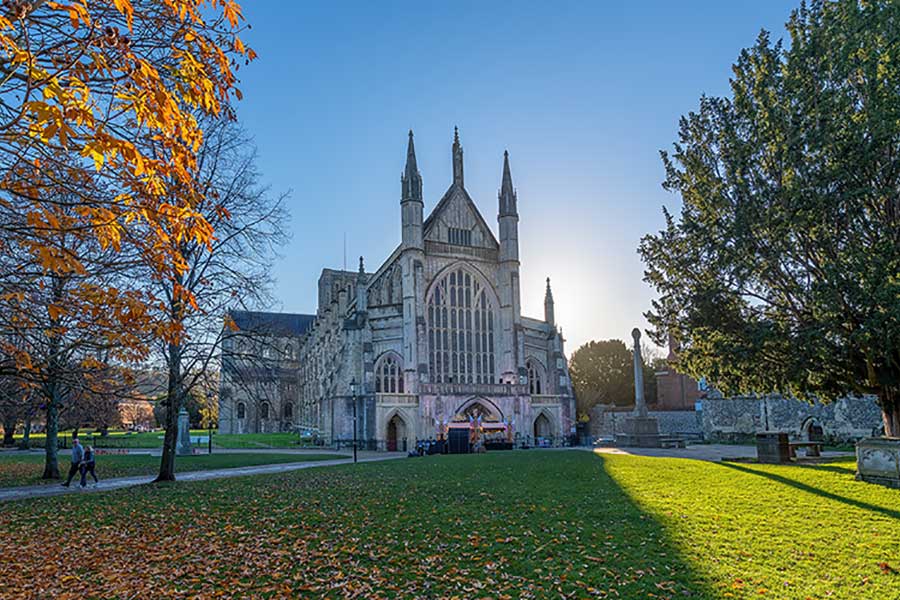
640	405
640	429
183	445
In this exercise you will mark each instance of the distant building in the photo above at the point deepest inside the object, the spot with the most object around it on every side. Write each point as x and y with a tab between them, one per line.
260	376
675	391
136	414
432	339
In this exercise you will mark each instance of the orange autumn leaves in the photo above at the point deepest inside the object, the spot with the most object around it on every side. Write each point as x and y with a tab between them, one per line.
99	103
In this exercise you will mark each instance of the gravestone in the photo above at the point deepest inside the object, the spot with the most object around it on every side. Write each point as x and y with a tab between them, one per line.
640	430
878	461
183	445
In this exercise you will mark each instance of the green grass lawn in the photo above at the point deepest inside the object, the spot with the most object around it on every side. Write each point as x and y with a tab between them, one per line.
257	440
153	439
536	524
26	469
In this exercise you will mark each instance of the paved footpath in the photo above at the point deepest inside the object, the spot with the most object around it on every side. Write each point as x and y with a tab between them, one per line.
710	452
56	489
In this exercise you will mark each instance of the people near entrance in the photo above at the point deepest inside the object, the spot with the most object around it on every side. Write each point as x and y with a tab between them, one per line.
77	457
87	466
428	447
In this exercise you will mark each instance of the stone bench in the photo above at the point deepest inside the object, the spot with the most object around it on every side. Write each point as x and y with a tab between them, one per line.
672	442
812	448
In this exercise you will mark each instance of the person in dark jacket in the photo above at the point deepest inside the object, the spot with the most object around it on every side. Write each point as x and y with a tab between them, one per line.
87	466
77	457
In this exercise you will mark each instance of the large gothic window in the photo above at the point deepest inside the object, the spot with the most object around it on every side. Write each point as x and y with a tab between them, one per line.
241	410
389	374
461	320
535	377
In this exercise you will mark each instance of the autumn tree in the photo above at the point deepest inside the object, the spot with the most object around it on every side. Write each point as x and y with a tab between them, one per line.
782	271
136	413
94	401
11	407
75	325
232	270
98	106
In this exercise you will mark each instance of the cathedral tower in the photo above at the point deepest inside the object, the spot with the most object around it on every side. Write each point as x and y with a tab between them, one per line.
508	216
508	219
411	204
412	259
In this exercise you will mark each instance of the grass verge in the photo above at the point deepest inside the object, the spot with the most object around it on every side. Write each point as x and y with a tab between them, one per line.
503	525
25	469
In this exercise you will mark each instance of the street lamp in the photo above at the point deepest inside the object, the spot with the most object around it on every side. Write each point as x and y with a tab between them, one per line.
353	394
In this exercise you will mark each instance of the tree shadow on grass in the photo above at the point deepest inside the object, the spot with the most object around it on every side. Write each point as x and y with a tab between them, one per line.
827	467
893	514
643	543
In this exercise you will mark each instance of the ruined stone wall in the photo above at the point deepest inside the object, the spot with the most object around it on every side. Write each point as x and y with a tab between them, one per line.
607	421
847	419
739	419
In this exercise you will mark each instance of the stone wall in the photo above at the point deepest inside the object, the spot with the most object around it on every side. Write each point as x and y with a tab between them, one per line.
738	419
607	421
847	419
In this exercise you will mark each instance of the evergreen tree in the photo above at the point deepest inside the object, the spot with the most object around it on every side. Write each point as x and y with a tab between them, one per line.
782	273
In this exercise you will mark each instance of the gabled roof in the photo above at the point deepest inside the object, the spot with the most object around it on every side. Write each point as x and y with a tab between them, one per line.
445	200
270	323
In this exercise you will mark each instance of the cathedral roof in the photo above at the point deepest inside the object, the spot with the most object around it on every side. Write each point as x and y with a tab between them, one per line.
445	201
269	323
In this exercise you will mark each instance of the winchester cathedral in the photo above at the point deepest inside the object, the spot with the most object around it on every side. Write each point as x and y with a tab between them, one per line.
432	341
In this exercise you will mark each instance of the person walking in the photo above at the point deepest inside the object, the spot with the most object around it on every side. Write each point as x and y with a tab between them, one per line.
77	457
87	466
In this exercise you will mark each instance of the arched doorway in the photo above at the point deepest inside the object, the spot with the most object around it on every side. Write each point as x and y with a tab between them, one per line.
396	434
543	430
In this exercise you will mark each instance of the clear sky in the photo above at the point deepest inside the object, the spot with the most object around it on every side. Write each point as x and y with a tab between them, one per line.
583	95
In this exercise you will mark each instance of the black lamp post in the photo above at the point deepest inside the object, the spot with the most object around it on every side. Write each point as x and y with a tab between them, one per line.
353	394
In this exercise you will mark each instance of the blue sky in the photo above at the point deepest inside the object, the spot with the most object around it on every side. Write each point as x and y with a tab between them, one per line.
583	95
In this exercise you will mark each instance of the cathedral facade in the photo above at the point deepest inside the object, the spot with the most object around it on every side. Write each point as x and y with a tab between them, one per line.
431	342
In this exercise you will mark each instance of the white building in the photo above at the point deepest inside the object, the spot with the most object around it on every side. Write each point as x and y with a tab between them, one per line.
432	339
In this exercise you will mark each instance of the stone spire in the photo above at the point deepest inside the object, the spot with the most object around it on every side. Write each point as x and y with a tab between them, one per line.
361	293
549	316
457	159
411	180
507	193
411	205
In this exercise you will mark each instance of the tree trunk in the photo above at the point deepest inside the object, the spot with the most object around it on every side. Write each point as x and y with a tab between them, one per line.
51	458
26	433
51	389
890	411
173	405
9	431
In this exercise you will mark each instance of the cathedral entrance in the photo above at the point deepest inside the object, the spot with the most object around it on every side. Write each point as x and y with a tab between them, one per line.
396	434
543	431
478	426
